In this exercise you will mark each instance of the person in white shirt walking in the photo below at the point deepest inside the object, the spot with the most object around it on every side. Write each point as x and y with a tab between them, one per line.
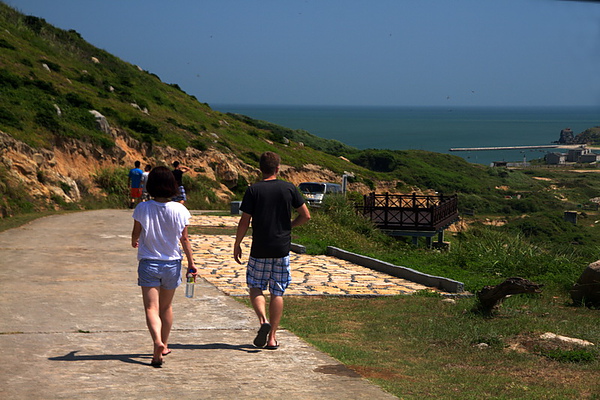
160	225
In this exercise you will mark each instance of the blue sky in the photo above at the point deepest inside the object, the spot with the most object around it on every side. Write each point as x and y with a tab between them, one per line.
351	52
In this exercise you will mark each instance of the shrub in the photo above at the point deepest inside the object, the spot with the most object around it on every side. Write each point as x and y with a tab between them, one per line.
376	160
47	119
52	65
113	181
198	144
570	356
47	87
34	23
9	119
6	45
149	131
78	101
10	80
200	193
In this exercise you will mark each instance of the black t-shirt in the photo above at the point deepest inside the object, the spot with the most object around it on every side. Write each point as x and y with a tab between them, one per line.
270	203
178	176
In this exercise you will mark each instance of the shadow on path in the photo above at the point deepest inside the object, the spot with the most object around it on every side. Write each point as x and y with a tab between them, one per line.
248	348
127	358
133	358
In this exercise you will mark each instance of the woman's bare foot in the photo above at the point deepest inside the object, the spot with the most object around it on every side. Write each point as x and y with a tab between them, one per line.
157	357
166	351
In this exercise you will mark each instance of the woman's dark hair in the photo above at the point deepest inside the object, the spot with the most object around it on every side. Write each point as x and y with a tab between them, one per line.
161	183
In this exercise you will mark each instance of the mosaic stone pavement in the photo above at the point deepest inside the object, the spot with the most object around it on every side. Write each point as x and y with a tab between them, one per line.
311	275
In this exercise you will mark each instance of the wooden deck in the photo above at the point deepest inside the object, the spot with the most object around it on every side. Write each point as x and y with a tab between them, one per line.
411	215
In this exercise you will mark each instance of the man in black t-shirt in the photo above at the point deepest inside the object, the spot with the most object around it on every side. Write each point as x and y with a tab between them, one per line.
178	171
268	206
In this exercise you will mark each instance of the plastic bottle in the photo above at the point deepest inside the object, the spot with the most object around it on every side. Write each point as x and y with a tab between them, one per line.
189	286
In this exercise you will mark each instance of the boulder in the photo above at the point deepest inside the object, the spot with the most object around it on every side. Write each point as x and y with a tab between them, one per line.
101	122
587	289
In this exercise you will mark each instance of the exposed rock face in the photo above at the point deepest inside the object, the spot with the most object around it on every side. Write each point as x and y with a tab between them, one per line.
69	167
566	136
587	289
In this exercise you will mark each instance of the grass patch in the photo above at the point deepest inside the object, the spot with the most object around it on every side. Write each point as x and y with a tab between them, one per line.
420	347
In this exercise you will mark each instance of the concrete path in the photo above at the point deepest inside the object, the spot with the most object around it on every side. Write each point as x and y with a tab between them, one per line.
72	327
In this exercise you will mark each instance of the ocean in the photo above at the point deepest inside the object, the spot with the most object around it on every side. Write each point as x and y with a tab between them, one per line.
434	129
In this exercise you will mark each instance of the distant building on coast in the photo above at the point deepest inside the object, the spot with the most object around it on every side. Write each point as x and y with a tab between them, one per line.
581	155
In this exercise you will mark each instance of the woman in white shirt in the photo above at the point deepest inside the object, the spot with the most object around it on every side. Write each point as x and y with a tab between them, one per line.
160	225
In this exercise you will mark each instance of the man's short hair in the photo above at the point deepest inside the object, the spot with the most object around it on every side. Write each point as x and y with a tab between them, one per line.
269	161
175	164
137	164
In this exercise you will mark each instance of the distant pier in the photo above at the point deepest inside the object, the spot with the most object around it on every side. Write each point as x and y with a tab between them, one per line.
548	146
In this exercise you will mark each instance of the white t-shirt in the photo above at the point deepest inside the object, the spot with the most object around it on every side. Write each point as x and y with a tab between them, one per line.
145	180
162	225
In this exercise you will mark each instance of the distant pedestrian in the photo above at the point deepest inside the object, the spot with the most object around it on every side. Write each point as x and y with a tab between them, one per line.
178	171
134	181
268	206
147	170
160	226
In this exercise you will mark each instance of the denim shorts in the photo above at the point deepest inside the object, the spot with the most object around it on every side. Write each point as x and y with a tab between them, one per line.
159	273
273	273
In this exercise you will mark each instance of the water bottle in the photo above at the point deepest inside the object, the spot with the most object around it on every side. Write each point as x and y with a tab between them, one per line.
189	286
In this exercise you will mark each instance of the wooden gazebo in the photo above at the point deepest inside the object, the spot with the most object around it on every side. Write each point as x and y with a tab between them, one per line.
411	215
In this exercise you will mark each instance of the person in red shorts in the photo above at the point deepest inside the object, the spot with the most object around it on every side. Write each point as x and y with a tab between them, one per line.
134	182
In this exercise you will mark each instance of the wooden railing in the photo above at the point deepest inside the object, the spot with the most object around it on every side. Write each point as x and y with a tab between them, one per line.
410	212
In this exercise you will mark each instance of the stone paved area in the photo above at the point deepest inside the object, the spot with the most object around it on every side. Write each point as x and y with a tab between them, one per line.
311	275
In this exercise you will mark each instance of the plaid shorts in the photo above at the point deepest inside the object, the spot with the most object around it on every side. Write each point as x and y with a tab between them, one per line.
181	195
269	272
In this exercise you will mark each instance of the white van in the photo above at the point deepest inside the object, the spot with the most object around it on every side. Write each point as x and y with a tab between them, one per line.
314	192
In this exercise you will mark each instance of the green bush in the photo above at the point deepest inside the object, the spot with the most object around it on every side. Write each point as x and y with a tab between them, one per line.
8	79
376	160
198	144
78	101
570	356
149	131
44	86
52	65
200	194
6	45
113	181
47	118
9	118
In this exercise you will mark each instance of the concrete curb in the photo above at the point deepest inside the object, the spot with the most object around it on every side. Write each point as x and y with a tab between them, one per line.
445	284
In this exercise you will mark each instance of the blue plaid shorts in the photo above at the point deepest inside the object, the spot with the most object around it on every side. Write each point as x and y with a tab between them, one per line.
181	195
273	273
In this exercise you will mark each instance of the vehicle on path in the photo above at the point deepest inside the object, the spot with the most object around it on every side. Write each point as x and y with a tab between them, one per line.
315	192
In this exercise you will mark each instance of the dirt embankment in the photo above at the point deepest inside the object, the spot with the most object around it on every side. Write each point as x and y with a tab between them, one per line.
68	168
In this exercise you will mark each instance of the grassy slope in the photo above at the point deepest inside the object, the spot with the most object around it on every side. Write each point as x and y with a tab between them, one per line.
76	84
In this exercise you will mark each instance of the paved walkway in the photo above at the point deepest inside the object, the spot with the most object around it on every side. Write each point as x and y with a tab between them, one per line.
311	275
72	327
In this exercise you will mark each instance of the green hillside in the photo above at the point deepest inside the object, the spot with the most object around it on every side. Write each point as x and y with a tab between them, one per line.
51	78
44	69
